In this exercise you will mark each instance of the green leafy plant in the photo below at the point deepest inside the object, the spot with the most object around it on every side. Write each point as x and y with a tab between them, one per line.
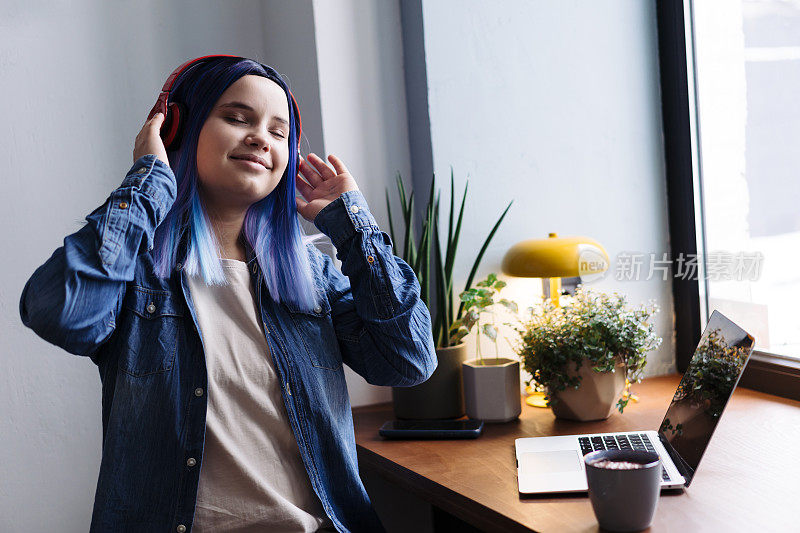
476	302
437	280
590	325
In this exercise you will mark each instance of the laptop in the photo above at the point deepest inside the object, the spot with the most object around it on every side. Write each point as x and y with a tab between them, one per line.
555	464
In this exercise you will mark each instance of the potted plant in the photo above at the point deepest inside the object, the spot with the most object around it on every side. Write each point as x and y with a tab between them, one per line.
491	385
442	395
587	352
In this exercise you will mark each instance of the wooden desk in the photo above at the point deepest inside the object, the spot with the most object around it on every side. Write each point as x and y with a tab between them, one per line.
747	480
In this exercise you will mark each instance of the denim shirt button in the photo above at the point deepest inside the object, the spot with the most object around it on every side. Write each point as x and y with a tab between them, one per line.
178	266
151	308
317	309
198	391
191	461
354	208
142	170
181	528
370	259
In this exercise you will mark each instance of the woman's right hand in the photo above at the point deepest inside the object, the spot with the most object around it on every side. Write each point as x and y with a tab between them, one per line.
149	140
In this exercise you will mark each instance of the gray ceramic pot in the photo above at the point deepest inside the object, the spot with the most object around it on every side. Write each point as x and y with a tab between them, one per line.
492	391
441	396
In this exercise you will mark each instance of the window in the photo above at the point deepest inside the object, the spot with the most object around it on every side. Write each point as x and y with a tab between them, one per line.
747	78
730	75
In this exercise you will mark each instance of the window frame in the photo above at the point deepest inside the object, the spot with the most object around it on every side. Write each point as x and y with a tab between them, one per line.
765	372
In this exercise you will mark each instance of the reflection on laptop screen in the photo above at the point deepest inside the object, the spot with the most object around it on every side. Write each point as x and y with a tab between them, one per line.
704	391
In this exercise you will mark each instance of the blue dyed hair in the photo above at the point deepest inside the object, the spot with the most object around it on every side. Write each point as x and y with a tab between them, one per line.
271	226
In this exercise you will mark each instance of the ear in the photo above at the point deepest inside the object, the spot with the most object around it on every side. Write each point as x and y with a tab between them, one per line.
172	128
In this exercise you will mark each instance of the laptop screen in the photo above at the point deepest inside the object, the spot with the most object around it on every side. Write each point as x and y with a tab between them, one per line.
704	391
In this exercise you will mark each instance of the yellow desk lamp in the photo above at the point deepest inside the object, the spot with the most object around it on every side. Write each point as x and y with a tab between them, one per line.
552	259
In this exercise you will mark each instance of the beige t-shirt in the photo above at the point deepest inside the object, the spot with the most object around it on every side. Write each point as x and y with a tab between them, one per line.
252	477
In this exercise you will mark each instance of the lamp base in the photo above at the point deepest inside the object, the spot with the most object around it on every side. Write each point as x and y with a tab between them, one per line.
627	394
535	398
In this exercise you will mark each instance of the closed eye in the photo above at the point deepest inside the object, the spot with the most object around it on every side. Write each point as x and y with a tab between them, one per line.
277	134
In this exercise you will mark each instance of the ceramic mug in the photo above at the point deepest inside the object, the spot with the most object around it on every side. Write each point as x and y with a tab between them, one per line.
624	486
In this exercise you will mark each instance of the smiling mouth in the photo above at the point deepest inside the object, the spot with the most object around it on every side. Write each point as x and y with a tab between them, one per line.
250	163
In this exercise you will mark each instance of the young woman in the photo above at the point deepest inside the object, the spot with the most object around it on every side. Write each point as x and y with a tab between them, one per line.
218	329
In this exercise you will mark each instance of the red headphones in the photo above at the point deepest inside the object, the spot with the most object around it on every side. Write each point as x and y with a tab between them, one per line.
175	112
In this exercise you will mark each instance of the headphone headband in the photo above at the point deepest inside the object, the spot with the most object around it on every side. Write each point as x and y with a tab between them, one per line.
172	122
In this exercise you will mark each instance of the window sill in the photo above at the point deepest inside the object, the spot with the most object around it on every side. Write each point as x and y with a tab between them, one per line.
773	374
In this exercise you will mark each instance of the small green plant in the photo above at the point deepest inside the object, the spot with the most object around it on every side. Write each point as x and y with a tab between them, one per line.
477	301
590	325
436	281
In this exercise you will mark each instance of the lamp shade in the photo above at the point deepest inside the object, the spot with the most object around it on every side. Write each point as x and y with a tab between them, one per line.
555	257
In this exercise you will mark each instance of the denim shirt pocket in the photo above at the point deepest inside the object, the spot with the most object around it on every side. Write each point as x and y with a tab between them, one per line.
317	334
150	327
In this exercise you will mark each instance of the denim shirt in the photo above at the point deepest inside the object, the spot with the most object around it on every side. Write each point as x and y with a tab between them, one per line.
98	296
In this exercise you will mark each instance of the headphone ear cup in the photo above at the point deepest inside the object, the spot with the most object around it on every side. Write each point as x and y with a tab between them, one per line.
173	125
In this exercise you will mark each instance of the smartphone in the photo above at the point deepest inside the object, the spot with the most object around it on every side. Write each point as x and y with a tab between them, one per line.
431	429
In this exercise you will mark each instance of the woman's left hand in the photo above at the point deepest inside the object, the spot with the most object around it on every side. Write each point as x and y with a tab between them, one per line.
323	184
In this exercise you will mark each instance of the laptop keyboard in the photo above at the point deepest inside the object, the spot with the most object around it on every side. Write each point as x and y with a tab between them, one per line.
630	441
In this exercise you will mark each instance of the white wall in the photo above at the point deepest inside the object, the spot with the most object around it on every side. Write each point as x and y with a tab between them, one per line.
345	67
293	54
555	105
532	99
362	95
77	82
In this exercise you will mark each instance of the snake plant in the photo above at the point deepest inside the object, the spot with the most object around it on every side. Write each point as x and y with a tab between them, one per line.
437	280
